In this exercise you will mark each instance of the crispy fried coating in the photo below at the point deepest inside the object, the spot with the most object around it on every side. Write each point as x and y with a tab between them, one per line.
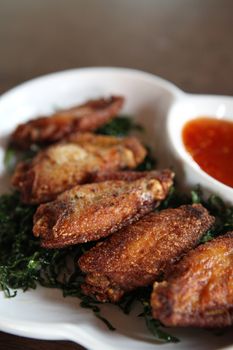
64	165
90	212
200	291
101	176
50	129
135	256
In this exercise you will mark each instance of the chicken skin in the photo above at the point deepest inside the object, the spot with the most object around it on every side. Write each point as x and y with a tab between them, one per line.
200	292
124	175
64	165
92	211
50	129
137	254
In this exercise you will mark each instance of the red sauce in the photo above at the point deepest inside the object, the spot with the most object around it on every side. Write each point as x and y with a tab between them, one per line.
210	143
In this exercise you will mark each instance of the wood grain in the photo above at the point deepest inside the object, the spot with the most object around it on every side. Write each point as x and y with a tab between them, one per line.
188	42
11	342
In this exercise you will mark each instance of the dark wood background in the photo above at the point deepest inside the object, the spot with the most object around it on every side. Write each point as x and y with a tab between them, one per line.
186	41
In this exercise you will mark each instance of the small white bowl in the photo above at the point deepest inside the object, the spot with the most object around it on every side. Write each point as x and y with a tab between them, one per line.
187	107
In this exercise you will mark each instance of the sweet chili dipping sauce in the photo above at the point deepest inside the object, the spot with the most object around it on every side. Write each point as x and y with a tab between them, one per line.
210	143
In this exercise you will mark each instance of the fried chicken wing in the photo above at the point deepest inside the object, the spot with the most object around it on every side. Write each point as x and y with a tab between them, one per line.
64	165
92	211
200	292
50	129
136	255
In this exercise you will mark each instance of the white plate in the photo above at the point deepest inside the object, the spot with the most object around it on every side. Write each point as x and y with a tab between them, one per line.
44	313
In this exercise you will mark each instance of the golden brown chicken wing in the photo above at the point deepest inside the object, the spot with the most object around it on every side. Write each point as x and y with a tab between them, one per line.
200	292
61	166
50	129
92	211
138	254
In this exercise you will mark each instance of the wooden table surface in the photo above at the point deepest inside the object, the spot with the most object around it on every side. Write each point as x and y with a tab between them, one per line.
188	42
